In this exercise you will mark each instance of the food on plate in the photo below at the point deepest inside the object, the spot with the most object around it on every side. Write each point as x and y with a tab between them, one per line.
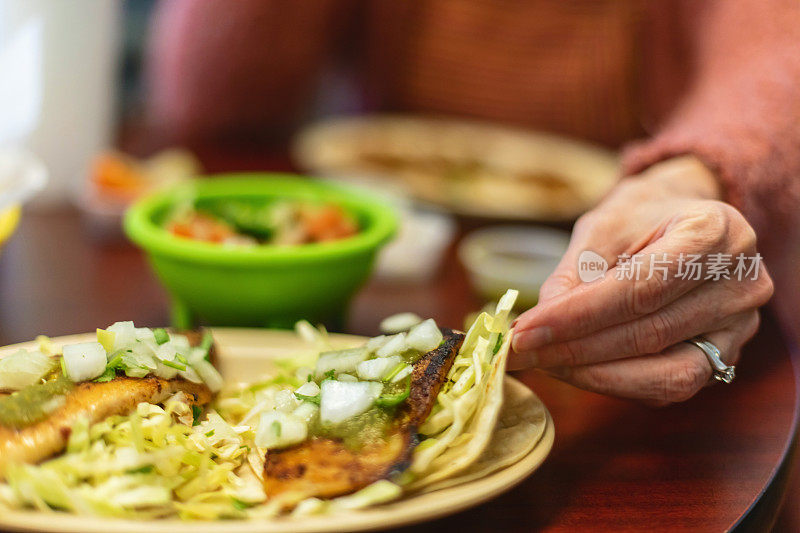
44	395
327	430
468	167
245	223
119	178
366	428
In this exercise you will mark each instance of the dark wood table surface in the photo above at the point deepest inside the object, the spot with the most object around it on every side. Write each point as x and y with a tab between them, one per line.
710	464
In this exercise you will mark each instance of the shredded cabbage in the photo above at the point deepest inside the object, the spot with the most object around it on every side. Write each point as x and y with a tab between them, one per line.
460	396
145	465
160	462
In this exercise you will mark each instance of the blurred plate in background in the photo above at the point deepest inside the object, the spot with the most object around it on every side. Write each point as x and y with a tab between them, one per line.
469	168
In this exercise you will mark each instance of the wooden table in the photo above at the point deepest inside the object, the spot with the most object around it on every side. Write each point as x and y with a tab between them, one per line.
715	462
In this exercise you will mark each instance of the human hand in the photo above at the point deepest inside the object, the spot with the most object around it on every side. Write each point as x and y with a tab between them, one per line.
623	337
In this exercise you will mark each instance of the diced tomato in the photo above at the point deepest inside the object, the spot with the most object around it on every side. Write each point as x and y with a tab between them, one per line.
201	227
327	223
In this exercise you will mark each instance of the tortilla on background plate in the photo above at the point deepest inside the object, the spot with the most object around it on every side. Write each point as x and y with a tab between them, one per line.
466	166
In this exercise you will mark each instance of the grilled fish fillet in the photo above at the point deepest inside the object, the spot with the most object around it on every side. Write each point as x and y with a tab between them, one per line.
96	402
326	468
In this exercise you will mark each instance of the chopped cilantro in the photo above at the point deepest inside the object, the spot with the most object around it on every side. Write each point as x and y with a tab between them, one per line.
197	412
239	504
109	374
206	343
161	336
176	366
146	469
498	345
305	398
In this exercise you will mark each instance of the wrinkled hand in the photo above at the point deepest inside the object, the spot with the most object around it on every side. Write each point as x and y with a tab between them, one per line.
624	336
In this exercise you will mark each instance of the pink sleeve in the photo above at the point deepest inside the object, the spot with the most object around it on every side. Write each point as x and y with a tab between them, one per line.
741	113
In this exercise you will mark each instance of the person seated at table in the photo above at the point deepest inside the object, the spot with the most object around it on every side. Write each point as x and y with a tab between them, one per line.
713	83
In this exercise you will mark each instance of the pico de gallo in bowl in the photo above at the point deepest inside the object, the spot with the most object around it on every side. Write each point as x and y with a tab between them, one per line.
260	249
240	222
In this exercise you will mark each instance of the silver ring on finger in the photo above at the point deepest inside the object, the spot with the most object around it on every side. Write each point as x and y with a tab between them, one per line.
721	371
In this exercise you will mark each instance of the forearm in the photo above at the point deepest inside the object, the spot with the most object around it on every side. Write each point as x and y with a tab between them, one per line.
683	176
740	116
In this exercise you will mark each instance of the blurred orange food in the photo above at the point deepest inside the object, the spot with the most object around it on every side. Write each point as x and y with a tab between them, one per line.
120	178
281	223
201	227
326	223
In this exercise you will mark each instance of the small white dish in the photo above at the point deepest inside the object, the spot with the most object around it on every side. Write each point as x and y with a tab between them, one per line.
519	257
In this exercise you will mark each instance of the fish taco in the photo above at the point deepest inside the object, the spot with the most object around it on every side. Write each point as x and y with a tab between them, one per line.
140	425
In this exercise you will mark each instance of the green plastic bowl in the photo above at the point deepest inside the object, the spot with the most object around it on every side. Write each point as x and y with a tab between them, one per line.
269	286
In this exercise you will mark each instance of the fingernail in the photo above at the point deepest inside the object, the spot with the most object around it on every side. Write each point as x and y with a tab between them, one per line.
527	340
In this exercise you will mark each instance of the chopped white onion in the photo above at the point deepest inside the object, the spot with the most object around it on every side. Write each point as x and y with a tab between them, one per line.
166	352
396	344
23	368
347	377
124	334
286	401
278	430
165	372
425	336
84	361
204	370
145	353
145	335
375	369
190	375
180	342
306	412
374	344
340	361
402	374
308	389
399	322
342	400
209	375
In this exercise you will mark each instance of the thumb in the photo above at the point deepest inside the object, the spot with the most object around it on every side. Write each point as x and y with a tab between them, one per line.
587	238
591	235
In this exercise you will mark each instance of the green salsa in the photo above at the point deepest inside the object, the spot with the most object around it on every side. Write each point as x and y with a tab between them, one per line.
411	356
32	404
369	427
358	431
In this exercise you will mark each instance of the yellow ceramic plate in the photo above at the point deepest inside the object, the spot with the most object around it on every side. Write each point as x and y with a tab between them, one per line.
244	353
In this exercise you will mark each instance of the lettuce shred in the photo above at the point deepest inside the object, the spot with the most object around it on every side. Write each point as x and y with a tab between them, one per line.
460	396
146	465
